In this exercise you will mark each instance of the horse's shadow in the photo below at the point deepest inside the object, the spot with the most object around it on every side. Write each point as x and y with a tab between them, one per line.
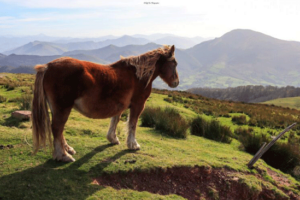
30	183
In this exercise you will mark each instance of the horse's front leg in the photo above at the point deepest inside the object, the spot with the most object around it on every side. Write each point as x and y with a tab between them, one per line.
135	112
111	134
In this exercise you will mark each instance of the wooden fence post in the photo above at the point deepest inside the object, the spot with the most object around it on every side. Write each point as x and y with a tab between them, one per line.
263	149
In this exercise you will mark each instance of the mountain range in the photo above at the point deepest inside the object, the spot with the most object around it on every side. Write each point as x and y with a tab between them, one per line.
47	46
239	57
8	43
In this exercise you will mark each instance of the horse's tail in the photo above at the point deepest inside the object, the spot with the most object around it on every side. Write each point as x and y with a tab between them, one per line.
41	128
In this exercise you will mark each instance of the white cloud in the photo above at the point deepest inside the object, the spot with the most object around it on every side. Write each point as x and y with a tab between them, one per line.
72	3
278	18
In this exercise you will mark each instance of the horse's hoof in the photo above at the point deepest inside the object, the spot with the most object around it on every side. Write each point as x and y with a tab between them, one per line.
70	150
133	145
114	141
67	158
63	158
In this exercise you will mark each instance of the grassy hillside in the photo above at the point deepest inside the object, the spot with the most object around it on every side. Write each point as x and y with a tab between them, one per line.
248	93
164	168
291	102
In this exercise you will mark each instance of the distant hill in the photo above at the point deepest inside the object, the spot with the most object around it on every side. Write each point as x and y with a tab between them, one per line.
2	56
31	60
245	57
112	53
291	102
60	45
239	57
19	70
37	48
250	94
7	43
48	48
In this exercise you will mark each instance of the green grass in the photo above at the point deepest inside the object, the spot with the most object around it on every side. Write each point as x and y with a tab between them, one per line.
291	102
24	176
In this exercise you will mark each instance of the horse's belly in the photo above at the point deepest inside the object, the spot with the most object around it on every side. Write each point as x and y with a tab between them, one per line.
100	109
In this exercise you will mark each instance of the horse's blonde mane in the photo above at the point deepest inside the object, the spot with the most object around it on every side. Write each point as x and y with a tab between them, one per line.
145	63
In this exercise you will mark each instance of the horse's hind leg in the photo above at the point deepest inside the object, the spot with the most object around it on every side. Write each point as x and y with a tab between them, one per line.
68	148
111	134
59	119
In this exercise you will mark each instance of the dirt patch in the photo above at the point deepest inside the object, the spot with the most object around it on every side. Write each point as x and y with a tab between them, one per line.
279	178
189	182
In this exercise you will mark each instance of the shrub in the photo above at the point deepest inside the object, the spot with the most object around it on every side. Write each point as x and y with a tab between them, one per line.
149	116
10	86
283	156
242	131
251	141
25	102
225	115
167	120
212	130
2	99
198	126
169	100
240	120
252	122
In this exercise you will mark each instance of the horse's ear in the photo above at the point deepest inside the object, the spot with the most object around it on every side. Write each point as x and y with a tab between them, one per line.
172	49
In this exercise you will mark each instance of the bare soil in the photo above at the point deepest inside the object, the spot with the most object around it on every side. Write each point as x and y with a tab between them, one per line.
192	183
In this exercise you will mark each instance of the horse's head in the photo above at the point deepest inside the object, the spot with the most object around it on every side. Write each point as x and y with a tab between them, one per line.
167	69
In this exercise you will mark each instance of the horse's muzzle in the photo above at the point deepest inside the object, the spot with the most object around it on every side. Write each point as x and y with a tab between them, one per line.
174	84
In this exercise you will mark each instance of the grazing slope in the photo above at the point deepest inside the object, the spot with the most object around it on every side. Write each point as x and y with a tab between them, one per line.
291	102
249	93
209	169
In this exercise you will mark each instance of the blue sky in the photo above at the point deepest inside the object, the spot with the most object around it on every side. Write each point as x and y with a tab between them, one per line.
92	18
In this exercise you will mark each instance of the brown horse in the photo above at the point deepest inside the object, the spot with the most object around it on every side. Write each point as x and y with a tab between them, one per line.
97	91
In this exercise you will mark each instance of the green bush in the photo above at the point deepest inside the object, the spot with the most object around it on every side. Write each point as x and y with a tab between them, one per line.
242	131
252	122
251	141
25	102
10	86
149	116
2	99
167	120
211	129
198	126
240	120
282	155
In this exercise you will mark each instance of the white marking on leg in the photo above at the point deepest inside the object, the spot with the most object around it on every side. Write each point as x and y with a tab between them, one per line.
131	141
68	148
111	134
60	153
